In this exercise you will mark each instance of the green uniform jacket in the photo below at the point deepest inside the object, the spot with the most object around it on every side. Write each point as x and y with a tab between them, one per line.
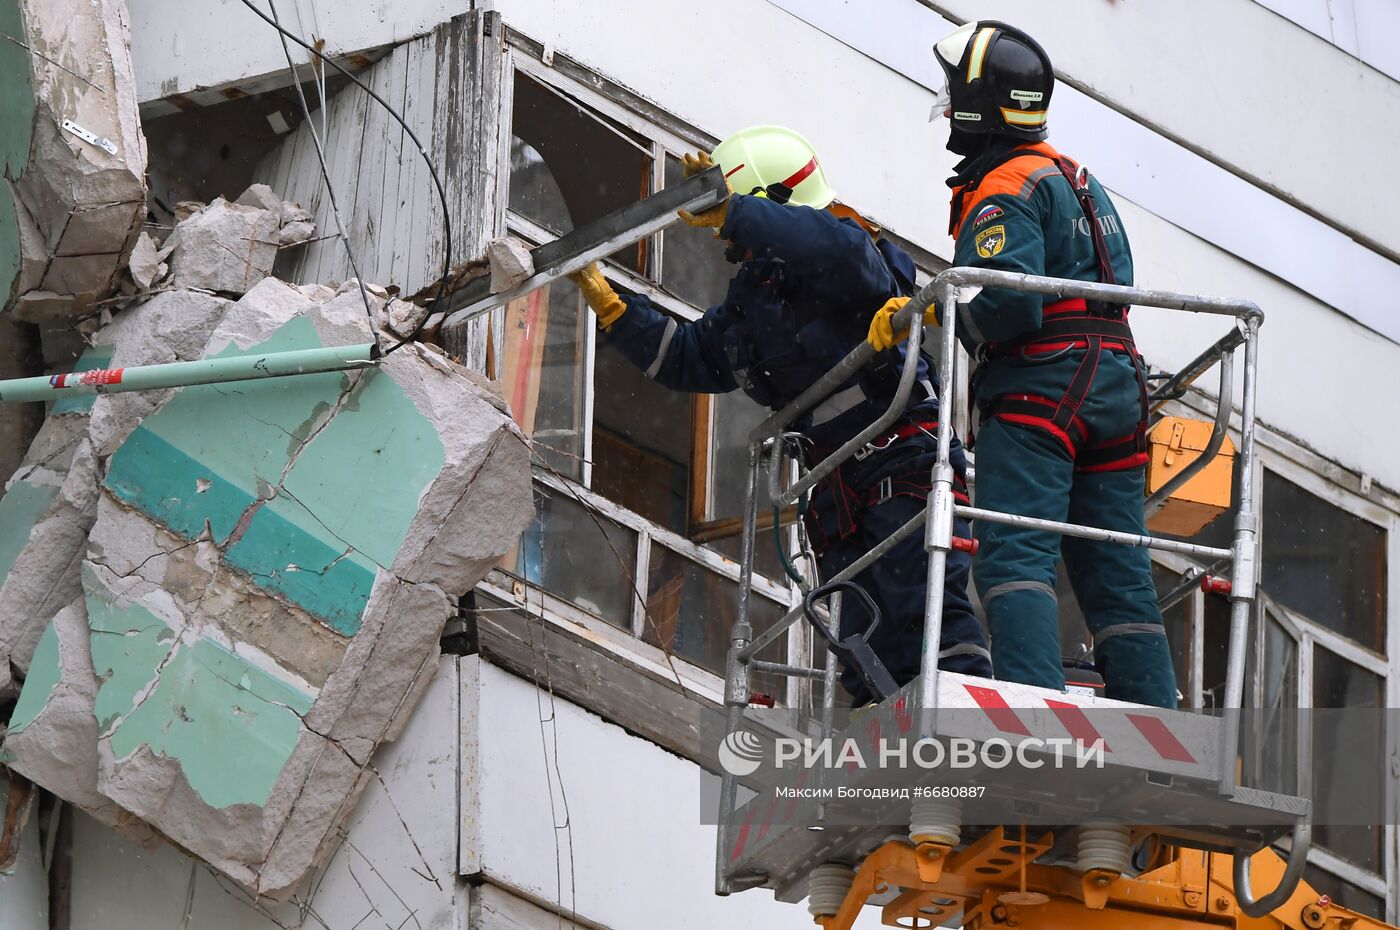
1021	214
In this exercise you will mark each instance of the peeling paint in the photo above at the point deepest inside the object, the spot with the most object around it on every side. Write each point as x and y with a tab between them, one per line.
21	507
39	684
231	724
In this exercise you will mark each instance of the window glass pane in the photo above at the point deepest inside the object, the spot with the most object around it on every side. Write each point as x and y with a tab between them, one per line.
1323	562
1337	744
642	439
580	556
570	166
1344	892
1271	740
542	373
690	612
734	415
694	267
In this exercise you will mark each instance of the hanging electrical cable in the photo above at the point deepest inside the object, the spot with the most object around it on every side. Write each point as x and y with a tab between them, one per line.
408	130
326	176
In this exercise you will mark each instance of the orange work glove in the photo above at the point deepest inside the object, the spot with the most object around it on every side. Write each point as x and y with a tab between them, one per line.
714	217
599	294
882	335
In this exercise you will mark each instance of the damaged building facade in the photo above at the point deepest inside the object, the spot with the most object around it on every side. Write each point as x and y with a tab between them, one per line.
439	643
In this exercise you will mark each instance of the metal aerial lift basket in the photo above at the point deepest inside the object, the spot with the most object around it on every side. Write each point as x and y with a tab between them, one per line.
1175	771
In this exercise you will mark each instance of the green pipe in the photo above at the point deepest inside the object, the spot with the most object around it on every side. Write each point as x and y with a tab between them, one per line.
180	374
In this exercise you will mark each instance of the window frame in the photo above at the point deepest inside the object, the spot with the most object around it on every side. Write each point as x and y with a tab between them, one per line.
505	221
1353	494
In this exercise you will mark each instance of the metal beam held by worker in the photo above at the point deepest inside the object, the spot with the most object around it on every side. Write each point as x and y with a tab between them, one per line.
592	242
182	374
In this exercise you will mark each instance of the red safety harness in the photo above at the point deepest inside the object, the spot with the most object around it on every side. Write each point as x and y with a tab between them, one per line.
851	503
1076	324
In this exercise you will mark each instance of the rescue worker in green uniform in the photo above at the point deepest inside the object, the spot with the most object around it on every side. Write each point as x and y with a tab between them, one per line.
1059	385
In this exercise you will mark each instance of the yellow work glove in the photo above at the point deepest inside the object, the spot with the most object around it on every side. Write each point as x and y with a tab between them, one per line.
599	295
882	335
714	217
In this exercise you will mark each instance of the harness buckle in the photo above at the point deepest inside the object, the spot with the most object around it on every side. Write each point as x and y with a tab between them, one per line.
885	490
875	445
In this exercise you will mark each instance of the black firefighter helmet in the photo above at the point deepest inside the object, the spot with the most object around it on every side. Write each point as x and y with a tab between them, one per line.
999	80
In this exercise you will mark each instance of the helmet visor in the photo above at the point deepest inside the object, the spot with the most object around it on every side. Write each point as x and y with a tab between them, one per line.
949	53
942	102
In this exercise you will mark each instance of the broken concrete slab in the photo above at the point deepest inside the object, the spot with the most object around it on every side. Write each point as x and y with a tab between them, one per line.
74	207
267	563
53	732
295	223
511	263
224	247
46	544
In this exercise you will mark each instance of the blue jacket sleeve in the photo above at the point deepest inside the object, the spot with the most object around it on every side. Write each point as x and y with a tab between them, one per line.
836	259
1009	237
682	356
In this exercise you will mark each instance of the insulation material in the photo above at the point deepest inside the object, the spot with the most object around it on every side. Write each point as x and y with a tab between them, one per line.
72	210
268	572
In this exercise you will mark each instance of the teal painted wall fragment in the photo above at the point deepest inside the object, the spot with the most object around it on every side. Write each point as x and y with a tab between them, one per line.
39	683
21	507
93	358
230	724
128	646
326	504
239	437
17	107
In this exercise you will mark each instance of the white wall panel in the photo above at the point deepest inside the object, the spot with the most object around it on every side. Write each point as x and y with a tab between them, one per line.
635	856
178	47
1161	175
1237	81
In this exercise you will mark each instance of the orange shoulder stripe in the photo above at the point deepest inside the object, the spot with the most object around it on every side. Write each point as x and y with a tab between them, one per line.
1018	176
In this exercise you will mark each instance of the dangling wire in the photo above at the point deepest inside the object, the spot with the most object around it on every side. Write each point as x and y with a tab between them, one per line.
432	171
326	176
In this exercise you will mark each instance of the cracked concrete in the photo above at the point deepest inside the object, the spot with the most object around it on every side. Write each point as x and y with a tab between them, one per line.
263	570
72	209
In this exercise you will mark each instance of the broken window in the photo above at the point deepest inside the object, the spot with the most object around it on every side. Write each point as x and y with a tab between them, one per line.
570	165
1324	562
668	460
542	373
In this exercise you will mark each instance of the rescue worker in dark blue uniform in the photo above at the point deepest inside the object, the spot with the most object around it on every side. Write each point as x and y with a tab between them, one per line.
1060	384
811	275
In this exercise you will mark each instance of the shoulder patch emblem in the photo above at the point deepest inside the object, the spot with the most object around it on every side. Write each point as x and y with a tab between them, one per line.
988	213
990	241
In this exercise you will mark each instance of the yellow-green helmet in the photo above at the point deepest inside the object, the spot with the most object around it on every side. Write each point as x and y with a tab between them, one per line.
774	162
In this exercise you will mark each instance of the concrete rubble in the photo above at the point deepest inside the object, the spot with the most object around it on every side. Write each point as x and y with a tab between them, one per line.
73	206
511	263
227	596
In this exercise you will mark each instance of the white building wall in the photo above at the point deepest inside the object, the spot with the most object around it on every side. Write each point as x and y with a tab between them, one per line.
1324	378
570	811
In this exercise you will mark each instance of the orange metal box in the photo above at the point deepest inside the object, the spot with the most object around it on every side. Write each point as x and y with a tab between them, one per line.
1174	443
